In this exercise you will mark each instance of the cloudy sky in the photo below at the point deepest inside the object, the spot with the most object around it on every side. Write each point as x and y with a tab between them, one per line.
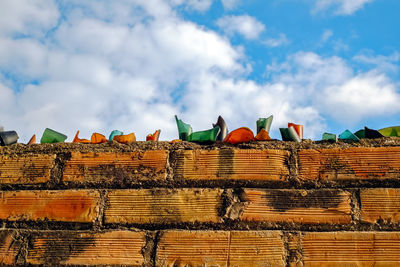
132	65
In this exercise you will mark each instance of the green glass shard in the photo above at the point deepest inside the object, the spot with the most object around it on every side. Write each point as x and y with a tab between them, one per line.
390	131
205	136
285	134
347	135
264	123
184	129
114	133
329	137
293	134
360	134
51	136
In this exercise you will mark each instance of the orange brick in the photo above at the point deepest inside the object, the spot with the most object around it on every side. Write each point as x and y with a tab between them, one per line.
380	203
67	206
249	164
87	248
9	247
350	249
301	206
350	164
25	169
106	166
162	205
220	248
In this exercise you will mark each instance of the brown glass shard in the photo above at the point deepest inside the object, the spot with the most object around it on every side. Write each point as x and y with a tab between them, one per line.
154	136
298	128
32	140
241	135
98	138
125	139
78	140
262	135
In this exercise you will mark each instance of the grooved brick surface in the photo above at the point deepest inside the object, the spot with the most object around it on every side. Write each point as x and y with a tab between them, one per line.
300	206
9	247
380	204
237	164
350	249
161	205
66	206
220	248
350	163
25	169
107	166
78	247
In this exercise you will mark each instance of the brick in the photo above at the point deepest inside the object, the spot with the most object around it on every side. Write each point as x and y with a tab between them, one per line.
350	249
25	169
86	248
220	248
380	204
66	206
300	206
107	166
160	205
235	164
350	164
9	247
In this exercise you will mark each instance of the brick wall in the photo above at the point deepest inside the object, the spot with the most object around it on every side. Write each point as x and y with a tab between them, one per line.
161	204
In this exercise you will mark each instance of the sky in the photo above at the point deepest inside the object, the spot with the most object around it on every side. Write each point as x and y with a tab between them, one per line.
131	65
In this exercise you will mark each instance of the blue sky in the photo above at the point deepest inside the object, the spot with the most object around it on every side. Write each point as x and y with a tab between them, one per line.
96	66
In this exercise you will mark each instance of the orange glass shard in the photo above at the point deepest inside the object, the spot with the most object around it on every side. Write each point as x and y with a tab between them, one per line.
32	140
98	138
241	135
125	139
154	136
262	135
298	128
176	141
78	140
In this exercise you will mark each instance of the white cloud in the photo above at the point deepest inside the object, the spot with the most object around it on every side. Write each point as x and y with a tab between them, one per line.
199	5
230	4
326	35
340	7
245	25
383	63
275	42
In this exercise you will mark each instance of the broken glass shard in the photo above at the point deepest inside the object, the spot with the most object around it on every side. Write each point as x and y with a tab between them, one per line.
114	133
293	134
98	138
241	135
50	136
223	129
125	139
371	133
262	135
264	123
205	136
390	131
347	135
8	138
329	137
360	134
32	140
154	136
78	140
184	129
285	134
298	128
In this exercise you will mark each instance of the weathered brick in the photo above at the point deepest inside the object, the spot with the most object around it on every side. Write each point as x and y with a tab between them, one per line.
350	164
236	164
66	206
25	169
108	166
86	248
300	206
380	204
350	249
220	248
161	205
9	247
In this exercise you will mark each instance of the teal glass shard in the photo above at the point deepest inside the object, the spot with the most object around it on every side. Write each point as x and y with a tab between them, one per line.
205	136
390	131
293	134
329	137
184	129
264	123
347	135
50	136
114	133
360	134
285	134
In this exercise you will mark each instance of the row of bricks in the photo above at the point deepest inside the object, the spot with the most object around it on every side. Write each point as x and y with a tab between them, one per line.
357	163
188	205
200	248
